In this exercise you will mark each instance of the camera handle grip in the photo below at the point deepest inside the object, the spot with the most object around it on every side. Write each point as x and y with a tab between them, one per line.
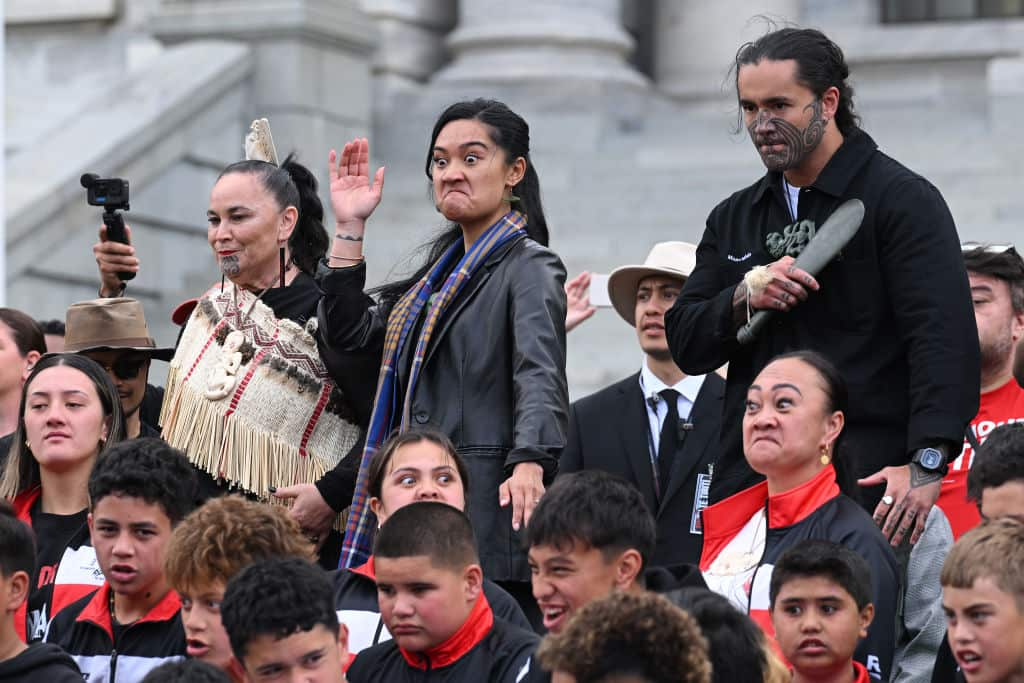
116	232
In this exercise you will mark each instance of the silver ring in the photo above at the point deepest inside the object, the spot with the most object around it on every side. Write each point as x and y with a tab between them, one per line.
887	500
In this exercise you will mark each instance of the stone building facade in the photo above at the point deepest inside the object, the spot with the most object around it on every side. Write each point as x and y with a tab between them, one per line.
632	114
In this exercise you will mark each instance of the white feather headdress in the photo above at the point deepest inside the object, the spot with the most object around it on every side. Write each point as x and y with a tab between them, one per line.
259	143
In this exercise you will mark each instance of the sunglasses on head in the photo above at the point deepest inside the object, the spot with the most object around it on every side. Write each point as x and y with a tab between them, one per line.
988	248
126	367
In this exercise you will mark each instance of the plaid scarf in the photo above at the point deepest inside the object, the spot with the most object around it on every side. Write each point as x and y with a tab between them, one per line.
359	528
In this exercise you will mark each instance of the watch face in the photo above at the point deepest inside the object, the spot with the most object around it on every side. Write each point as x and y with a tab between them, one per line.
931	458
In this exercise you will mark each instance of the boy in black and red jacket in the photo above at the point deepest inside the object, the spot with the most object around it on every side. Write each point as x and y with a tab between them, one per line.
138	492
280	619
430	589
821	608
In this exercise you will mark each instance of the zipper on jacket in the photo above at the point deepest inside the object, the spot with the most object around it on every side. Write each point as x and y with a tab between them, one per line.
113	665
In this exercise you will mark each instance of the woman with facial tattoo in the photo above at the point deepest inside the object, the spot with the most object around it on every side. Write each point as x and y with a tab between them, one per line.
252	396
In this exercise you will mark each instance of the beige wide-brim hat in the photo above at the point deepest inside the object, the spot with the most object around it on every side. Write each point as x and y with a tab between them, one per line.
670	259
110	325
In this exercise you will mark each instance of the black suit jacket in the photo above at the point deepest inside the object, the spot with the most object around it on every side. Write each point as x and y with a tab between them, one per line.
609	430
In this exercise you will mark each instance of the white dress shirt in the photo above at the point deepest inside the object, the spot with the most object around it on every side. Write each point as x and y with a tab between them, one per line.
651	386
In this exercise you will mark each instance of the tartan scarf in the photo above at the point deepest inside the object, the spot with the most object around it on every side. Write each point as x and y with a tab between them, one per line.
359	529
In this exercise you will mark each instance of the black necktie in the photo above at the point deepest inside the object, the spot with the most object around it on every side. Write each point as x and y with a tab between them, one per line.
668	443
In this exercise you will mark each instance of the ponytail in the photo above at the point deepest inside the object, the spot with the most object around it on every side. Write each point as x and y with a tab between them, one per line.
309	241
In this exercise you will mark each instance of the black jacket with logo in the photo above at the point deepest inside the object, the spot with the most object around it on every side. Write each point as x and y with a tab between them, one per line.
893	313
85	631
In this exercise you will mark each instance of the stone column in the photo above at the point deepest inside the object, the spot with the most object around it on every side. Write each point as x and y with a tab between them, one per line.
410	45
312	64
524	41
696	41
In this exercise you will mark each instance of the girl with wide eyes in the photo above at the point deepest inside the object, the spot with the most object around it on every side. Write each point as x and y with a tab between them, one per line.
792	427
474	342
420	464
70	414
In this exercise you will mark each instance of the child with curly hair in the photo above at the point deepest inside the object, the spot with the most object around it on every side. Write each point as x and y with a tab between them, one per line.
636	637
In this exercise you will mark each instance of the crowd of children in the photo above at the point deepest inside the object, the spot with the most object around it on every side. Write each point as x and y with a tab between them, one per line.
229	591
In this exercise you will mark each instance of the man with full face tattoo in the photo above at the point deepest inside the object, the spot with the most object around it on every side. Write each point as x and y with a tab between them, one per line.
892	310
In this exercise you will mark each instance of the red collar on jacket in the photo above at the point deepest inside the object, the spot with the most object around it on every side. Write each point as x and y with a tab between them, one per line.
97	610
472	631
23	503
366	569
725	519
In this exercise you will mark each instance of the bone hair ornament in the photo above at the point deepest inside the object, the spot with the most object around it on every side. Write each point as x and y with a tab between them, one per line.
259	143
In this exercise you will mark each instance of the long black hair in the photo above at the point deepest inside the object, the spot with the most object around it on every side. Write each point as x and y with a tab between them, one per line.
820	65
511	133
292	184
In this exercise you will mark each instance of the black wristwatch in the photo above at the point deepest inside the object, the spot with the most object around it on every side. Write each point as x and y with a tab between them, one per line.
931	459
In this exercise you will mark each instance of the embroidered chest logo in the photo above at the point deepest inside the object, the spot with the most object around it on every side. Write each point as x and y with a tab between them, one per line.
791	240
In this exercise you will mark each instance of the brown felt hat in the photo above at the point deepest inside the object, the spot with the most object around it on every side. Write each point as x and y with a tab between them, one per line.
110	325
671	259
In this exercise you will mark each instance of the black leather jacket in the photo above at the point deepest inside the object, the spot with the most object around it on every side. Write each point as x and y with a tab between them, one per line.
493	378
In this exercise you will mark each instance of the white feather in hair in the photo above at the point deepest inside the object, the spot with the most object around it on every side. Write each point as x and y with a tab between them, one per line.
259	143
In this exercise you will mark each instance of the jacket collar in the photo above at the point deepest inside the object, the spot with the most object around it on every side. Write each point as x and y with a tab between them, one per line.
23	503
97	610
366	569
797	504
724	519
472	631
839	171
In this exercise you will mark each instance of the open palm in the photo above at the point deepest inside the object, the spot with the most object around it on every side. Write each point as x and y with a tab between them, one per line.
353	198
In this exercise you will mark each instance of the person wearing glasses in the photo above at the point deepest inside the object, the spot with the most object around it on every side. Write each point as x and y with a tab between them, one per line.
113	333
996	274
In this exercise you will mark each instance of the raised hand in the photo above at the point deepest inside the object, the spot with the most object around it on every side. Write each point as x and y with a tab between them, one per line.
577	295
114	257
353	198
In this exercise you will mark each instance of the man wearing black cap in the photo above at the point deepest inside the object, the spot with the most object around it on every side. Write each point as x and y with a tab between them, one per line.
113	333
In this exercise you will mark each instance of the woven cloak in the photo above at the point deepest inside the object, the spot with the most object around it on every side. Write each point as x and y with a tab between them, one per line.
248	398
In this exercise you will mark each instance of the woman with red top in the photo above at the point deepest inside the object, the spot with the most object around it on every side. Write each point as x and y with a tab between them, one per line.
795	412
70	414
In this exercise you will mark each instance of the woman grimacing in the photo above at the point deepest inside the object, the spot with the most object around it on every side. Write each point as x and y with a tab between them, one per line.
70	414
792	429
473	343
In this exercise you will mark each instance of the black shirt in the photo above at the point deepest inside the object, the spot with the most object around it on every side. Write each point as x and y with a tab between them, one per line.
54	535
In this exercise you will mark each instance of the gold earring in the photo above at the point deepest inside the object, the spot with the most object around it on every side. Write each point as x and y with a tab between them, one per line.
28	445
825	458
